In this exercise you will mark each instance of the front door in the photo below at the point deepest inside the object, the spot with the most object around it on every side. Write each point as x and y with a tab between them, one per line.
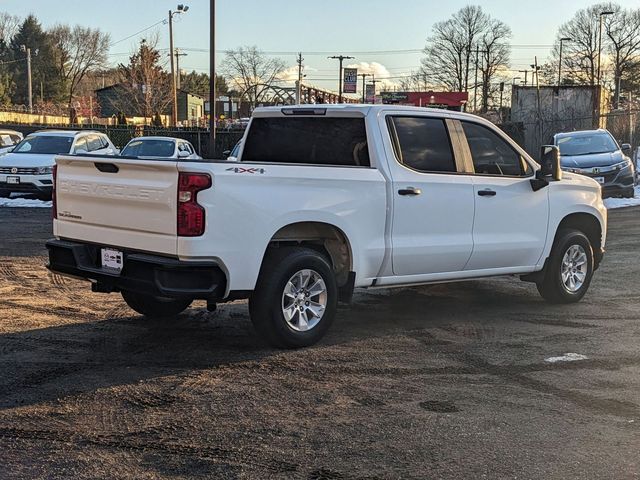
511	220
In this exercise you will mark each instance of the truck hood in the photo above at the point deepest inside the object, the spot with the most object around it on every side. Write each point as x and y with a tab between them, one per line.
593	160
27	160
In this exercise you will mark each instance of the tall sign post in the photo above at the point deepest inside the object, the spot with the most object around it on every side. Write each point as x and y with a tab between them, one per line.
350	81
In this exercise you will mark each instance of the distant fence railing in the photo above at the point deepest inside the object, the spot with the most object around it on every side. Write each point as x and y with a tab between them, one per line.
120	135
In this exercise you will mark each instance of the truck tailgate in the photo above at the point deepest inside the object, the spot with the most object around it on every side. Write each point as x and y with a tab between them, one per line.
118	202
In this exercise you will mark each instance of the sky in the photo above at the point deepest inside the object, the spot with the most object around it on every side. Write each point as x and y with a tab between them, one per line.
386	37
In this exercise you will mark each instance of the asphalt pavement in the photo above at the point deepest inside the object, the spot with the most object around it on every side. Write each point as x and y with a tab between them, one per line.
446	381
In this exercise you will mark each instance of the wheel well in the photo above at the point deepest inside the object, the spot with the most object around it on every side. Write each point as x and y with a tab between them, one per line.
323	237
587	224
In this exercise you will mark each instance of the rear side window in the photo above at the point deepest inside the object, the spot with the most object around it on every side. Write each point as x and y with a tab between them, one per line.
308	140
423	144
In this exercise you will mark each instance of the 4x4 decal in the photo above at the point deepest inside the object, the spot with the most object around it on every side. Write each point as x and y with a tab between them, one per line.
246	170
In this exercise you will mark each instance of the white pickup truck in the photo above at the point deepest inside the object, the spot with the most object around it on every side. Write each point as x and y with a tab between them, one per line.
322	200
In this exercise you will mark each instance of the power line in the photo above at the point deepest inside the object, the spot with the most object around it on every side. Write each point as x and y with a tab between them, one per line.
138	33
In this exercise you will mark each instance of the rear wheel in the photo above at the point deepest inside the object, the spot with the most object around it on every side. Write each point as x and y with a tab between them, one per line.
295	299
569	269
155	307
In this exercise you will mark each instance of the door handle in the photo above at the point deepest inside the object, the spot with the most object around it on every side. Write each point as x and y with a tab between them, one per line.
487	193
409	191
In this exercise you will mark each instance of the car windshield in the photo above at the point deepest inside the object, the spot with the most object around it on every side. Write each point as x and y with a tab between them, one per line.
7	139
149	148
236	149
52	145
581	144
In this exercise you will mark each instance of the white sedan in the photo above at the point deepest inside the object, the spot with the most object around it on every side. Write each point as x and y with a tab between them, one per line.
160	147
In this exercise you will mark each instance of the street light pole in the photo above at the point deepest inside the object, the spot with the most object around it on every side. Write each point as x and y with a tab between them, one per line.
602	14
174	90
564	39
341	58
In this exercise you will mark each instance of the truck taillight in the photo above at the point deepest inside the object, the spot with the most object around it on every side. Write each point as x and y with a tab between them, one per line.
191	215
54	206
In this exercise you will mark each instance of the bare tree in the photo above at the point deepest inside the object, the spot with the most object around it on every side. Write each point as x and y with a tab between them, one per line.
450	51
9	25
495	57
455	46
251	72
145	87
78	51
416	82
623	46
580	55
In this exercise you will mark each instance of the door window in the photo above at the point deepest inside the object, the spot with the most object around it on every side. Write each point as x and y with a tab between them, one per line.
94	142
491	154
81	144
422	144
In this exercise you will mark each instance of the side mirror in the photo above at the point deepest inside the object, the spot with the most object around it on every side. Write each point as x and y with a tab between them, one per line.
183	154
550	162
626	149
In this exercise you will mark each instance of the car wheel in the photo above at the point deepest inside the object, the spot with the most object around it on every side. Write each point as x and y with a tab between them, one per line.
629	193
155	307
295	299
44	196
5	193
569	268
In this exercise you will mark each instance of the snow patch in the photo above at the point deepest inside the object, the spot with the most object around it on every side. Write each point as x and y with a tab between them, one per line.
567	357
612	203
24	202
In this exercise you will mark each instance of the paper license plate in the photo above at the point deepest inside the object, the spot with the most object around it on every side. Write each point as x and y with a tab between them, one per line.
112	260
13	180
600	180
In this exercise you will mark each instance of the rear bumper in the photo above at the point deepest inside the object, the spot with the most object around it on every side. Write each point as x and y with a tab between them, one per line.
141	273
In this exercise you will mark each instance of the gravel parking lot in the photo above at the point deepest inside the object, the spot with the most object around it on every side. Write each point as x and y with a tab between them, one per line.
446	381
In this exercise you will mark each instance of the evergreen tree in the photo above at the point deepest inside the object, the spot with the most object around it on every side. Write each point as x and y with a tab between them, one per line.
43	67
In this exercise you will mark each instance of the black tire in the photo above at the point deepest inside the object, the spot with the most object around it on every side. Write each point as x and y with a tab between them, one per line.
5	193
629	193
552	288
266	302
47	197
155	307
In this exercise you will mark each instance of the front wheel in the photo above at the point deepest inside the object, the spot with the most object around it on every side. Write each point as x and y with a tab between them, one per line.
155	307
569	269
295	298
5	193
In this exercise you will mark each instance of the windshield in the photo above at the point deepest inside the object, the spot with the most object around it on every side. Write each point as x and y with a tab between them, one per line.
7	139
149	148
52	145
571	145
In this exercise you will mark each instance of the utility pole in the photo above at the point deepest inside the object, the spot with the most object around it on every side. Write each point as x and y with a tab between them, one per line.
299	82
341	58
29	86
178	55
364	75
212	78
602	14
374	81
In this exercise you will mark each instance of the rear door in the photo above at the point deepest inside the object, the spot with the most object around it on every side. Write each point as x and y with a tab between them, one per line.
511	220
432	203
118	202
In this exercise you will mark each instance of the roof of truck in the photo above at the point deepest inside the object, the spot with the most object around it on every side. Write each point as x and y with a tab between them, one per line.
363	109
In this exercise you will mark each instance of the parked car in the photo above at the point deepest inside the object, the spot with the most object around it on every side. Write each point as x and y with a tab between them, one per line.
8	140
160	147
326	200
232	155
28	167
596	154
